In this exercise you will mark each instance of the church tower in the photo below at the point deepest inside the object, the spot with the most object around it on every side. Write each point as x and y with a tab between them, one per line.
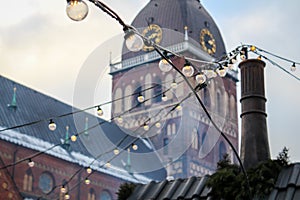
156	105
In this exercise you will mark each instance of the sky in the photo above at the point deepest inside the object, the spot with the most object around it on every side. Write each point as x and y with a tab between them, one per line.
42	48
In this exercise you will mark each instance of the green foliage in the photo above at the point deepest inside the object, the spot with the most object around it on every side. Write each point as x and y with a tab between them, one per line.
125	190
229	183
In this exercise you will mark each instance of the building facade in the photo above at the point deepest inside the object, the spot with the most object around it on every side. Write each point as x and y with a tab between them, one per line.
184	138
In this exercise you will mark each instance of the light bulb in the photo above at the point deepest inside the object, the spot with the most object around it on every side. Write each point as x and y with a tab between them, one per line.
140	98
133	41
67	196
174	84
52	125
164	97
234	60
164	65
134	147
116	151
146	127
200	78
88	170
178	107
243	57
63	189
158	124
30	163
252	48
221	71
259	57
77	10
120	119
73	138
230	65
107	165
293	67
188	70
87	181
99	111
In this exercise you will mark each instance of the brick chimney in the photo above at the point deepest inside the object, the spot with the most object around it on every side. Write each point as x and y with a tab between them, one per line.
255	143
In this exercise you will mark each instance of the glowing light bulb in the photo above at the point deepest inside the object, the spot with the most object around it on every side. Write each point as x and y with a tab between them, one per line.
293	67
259	57
140	98
252	48
99	111
67	196
135	147
243	57
87	181
77	10
234	60
188	70
178	107
146	127
133	41
200	78
30	163
107	165
88	170
164	97
116	151
52	125
73	138
63	189
222	71
174	84
120	120
164	65
158	124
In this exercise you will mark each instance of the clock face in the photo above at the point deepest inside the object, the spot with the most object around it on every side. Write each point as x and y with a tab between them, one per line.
208	41
45	182
154	33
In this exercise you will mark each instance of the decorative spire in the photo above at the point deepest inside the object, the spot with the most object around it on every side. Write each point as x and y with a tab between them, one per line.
128	164
13	103
186	36
67	141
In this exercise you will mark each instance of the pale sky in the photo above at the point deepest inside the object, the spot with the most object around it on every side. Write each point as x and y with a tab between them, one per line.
42	48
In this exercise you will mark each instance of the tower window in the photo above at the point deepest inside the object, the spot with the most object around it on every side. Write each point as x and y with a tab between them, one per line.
28	181
91	194
222	150
157	91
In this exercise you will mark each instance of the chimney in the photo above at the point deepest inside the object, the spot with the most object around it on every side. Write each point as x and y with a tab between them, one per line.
255	143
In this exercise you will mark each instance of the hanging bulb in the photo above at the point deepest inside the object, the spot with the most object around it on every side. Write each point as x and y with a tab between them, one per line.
252	48
133	41
88	170
259	57
116	151
293	67
120	120
230	65
164	97
107	165
200	78
221	71
99	111
77	10
234	60
174	84
158	124
73	138
67	196
52	125
178	107
140	98
134	147
164	66
188	69
87	181
146	127
63	189
30	163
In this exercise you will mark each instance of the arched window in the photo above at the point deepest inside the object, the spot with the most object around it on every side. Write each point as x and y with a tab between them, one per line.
233	107
118	104
28	181
222	150
219	103
148	92
105	195
206	97
91	194
195	140
203	138
157	91
127	99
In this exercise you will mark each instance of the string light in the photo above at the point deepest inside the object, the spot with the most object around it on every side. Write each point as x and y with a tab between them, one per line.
163	64
178	107
164	97
120	120
188	69
52	125
252	48
73	138
174	84
99	111
293	67
30	163
88	170
140	98
134	146
63	189
133	41
146	127
221	71
201	78
67	196
77	10
158	124
107	165
116	151
87	181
